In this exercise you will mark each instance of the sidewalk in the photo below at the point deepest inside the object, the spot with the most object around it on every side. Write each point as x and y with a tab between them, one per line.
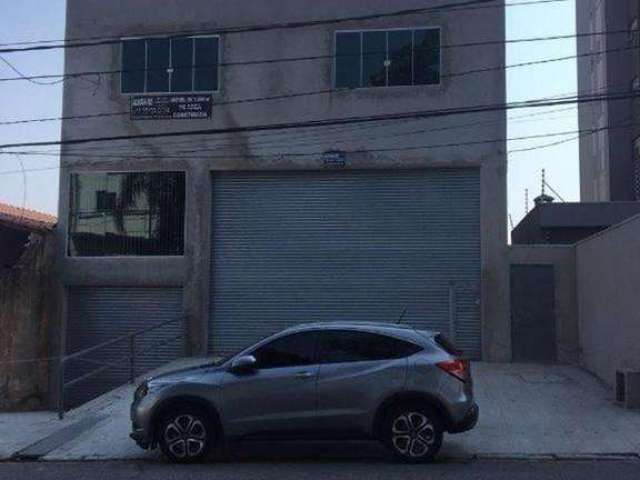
527	411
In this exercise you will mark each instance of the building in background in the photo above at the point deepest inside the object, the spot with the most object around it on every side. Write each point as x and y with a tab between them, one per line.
27	259
568	223
238	235
610	157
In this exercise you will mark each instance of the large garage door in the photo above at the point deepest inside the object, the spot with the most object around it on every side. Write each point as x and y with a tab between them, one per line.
302	247
100	314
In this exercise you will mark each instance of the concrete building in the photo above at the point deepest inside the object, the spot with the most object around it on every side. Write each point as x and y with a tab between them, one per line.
568	223
246	232
610	157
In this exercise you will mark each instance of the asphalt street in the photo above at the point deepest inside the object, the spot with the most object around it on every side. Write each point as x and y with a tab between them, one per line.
310	470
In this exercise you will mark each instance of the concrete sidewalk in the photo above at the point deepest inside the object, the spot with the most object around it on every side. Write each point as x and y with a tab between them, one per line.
527	411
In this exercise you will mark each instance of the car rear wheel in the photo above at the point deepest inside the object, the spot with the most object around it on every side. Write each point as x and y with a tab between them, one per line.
413	433
186	435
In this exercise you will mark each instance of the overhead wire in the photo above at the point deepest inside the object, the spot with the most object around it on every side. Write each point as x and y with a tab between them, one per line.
98	41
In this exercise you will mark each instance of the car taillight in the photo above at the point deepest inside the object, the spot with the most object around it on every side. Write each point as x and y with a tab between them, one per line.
458	368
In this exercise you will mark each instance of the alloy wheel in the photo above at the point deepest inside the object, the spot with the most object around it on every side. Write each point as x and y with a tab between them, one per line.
185	436
413	434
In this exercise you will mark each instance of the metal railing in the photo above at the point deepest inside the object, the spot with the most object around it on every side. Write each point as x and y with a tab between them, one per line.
104	366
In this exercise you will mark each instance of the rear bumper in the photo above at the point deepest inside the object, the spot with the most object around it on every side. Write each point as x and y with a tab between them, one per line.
468	422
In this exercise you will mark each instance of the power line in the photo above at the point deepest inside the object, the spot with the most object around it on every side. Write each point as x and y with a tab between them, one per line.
553	190
368	150
538	147
22	76
318	138
310	93
330	57
98	41
333	121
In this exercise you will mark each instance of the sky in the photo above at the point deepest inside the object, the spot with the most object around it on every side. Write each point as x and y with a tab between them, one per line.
37	185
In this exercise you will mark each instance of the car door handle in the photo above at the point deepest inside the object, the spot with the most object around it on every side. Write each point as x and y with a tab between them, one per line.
304	375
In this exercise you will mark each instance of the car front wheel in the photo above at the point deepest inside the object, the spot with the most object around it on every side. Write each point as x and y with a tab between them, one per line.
186	435
413	433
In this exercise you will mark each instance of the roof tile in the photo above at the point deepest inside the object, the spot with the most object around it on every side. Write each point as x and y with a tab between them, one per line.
26	218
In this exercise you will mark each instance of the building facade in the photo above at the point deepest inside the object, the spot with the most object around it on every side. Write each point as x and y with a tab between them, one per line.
609	64
264	219
569	223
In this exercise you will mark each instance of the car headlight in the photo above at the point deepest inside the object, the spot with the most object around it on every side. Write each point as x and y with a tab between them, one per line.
141	391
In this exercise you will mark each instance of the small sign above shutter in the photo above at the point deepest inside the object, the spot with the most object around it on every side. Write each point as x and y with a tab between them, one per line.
171	107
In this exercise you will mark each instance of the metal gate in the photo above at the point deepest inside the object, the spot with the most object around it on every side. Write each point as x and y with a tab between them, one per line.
100	314
295	247
533	315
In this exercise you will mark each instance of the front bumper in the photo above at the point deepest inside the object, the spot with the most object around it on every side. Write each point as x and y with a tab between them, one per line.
468	422
140	438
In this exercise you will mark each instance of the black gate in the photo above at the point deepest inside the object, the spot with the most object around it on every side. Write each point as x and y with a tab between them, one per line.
533	318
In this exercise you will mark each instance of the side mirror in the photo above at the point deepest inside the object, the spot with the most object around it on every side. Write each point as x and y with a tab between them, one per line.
244	364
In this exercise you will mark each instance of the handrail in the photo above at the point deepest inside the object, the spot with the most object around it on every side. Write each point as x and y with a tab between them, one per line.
119	339
131	338
107	366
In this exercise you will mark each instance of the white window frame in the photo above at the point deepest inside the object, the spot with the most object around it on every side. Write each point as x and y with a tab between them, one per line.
193	72
386	30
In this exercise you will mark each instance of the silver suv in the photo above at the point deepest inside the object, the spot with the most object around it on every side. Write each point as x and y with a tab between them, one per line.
389	382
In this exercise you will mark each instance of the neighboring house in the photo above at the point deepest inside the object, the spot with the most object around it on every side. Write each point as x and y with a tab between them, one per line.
610	157
27	305
248	232
16	227
568	223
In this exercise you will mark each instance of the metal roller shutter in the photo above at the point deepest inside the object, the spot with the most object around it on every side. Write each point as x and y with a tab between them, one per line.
100	314
294	247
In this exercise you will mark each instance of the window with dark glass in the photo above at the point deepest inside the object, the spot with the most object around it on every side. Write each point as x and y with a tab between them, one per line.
341	346
380	58
293	350
159	65
374	57
134	213
348	60
134	57
105	201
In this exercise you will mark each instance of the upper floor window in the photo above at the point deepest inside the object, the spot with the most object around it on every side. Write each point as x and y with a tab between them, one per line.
133	213
156	65
381	58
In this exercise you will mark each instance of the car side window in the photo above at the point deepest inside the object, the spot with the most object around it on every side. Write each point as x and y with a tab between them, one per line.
341	346
294	350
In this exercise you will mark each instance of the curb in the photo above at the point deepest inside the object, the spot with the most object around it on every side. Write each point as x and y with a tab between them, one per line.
514	457
546	457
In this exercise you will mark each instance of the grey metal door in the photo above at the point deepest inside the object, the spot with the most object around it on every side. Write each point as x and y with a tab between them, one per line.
533	319
293	247
100	314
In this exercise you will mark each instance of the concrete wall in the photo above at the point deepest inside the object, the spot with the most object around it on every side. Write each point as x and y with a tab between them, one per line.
27	308
293	149
562	259
608	286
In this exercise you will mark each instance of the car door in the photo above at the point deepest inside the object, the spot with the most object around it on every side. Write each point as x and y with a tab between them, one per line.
358	370
279	396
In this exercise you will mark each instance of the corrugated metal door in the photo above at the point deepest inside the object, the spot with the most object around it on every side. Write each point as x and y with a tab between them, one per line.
294	247
100	314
